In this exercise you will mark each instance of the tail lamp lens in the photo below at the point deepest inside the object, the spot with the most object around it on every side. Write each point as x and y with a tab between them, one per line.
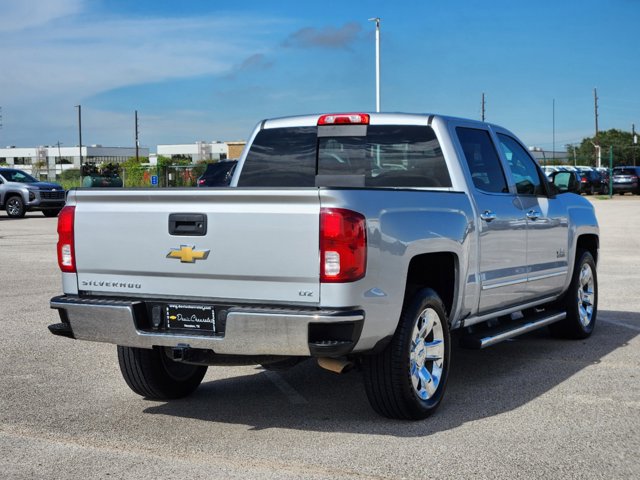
343	245
66	244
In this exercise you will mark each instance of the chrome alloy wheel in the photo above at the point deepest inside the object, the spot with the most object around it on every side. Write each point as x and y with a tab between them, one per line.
586	295
13	206
426	357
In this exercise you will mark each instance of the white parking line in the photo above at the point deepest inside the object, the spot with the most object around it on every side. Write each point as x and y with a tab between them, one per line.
621	324
291	393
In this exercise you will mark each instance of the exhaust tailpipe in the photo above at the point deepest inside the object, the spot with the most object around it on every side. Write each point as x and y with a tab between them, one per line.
335	365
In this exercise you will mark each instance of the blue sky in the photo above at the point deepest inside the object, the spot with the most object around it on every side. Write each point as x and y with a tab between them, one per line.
205	70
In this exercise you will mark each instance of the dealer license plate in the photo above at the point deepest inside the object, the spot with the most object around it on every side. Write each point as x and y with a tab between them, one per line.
198	318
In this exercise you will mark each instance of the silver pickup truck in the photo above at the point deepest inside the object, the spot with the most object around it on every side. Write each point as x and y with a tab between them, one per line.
358	239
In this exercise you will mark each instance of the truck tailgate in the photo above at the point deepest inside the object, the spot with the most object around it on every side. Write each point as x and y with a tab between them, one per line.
259	244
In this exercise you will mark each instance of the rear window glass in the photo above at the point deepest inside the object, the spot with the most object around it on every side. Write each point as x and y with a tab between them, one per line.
281	157
624	171
382	156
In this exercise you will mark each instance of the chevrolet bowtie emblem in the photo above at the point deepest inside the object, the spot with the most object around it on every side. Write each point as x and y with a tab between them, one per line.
187	254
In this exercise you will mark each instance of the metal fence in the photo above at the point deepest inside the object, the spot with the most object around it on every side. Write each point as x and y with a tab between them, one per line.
135	176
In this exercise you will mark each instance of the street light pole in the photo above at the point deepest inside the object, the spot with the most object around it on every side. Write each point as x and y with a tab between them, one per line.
137	142
79	107
598	154
377	20
554	130
55	172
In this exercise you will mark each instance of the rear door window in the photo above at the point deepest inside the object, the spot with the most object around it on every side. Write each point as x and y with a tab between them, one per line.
483	161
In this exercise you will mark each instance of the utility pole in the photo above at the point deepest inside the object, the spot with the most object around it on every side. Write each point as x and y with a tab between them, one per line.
483	104
377	20
137	143
596	141
595	106
634	139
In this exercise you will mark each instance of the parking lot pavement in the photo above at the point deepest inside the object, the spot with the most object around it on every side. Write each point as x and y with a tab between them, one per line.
535	407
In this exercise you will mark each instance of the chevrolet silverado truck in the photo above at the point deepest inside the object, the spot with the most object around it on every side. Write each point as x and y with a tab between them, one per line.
20	193
358	239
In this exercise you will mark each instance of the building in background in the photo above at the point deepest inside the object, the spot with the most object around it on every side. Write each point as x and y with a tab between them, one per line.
195	152
50	161
235	149
549	157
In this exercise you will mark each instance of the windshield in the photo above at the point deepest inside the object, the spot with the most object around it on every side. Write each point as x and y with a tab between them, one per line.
17	176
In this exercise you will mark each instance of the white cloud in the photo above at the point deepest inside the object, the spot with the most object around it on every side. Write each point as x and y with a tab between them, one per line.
57	53
17	15
79	60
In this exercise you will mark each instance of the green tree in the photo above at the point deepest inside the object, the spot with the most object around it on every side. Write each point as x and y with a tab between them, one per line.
624	151
133	172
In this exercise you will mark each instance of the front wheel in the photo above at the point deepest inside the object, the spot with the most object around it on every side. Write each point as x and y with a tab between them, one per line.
407	380
15	207
580	301
152	374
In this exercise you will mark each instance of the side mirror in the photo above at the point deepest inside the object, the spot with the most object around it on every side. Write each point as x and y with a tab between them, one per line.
566	182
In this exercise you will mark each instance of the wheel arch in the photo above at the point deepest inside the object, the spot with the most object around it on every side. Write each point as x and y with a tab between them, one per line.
438	271
589	242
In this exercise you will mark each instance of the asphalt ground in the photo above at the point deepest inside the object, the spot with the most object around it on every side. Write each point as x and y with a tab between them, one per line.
535	407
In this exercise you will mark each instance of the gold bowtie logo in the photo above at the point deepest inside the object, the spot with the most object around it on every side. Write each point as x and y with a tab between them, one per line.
187	254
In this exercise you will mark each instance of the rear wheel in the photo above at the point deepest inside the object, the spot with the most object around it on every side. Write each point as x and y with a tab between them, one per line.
152	374
580	301
407	380
15	207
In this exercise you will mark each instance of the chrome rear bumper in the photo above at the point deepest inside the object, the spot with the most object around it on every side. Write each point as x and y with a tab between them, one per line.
248	331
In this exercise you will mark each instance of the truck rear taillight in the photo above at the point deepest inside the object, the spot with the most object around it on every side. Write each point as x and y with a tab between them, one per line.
343	245
344	119
66	244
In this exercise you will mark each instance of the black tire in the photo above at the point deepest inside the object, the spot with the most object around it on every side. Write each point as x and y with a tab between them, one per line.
15	207
51	212
580	301
388	375
152	374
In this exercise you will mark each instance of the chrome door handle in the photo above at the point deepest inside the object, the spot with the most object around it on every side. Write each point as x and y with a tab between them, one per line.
533	215
488	216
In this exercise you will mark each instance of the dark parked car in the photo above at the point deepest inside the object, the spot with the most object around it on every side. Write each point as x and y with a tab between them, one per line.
218	174
625	179
592	182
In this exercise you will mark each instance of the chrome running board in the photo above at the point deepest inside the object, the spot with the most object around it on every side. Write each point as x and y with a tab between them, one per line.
489	337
